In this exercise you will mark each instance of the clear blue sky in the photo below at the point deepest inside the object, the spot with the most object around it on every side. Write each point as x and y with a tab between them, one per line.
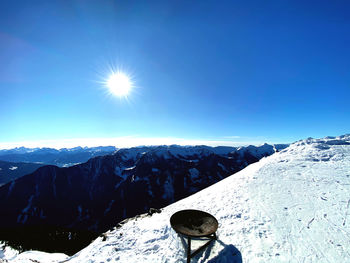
235	71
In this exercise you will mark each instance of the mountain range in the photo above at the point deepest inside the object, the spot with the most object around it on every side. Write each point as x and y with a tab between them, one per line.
292	206
63	157
95	195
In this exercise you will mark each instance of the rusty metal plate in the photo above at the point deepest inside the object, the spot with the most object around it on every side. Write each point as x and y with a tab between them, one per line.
194	223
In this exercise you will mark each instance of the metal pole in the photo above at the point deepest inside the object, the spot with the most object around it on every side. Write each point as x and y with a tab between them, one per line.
188	250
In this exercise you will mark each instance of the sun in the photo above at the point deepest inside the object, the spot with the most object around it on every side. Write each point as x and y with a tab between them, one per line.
119	84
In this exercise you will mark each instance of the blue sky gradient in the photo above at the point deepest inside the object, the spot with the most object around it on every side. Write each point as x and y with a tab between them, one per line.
223	72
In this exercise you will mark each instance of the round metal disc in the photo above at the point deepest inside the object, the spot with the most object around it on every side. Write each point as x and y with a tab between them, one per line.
194	223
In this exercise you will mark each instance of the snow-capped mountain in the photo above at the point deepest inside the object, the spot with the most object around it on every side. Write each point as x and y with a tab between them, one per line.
293	206
96	195
11	171
63	157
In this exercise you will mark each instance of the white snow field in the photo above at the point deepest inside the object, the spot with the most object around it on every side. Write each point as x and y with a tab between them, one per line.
7	252
293	206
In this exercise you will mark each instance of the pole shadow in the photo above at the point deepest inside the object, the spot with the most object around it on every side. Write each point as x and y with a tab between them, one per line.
228	252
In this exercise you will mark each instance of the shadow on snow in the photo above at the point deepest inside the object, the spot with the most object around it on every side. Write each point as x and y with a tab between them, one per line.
228	253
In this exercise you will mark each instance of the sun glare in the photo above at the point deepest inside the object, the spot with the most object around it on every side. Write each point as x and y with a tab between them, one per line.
119	84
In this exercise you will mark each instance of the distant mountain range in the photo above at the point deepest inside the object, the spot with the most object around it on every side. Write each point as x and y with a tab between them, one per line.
107	189
63	157
21	161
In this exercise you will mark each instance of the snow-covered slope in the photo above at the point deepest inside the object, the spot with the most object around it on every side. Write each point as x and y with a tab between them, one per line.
7	252
293	206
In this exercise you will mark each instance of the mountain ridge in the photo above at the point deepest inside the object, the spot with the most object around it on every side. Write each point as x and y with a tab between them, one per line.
63	157
95	195
290	206
10	171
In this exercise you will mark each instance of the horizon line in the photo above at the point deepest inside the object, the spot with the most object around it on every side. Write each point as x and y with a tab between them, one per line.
132	141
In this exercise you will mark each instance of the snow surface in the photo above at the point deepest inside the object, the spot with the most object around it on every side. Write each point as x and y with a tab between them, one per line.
38	257
293	206
7	252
